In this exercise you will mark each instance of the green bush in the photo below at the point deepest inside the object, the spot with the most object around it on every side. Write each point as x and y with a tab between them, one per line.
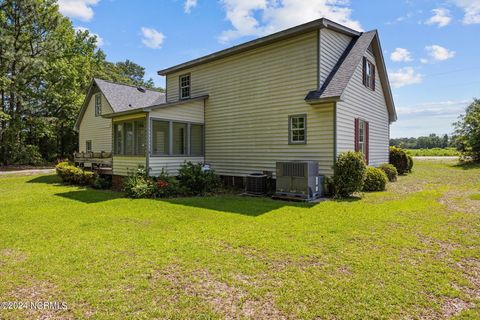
166	186
390	171
28	155
410	163
196	180
399	159
375	180
348	174
139	185
102	182
73	175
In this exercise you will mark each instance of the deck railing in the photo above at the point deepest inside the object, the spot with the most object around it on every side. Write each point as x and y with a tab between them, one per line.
93	159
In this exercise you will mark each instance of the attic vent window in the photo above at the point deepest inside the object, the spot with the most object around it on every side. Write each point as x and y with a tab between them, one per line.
98	105
141	89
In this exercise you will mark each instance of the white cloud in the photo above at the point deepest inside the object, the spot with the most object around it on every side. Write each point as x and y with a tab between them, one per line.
441	17
404	77
152	38
471	8
423	60
79	9
99	39
262	17
439	53
189	5
401	54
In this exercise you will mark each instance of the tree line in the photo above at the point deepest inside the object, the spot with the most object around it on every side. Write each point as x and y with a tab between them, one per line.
45	70
425	142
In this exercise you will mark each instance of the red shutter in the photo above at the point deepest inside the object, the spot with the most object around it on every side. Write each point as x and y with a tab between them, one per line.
367	142
357	138
373	77
364	71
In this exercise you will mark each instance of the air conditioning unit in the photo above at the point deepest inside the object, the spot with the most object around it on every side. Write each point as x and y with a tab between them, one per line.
299	179
256	184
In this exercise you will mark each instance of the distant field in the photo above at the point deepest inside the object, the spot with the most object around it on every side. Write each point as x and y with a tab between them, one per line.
435	152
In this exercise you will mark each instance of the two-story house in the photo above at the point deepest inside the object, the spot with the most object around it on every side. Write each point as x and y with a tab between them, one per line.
305	93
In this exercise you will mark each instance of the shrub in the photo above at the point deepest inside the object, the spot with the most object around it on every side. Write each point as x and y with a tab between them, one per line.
139	185
390	171
197	180
348	174
166	186
410	163
102	182
375	180
399	159
28	155
73	175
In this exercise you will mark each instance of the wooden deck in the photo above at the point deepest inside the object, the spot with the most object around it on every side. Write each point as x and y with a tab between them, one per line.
101	161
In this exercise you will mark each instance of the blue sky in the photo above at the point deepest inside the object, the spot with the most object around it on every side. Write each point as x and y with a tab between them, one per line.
431	47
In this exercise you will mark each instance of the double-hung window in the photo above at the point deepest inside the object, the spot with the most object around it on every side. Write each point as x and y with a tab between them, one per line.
98	104
362	137
173	138
298	129
368	74
88	146
185	86
129	138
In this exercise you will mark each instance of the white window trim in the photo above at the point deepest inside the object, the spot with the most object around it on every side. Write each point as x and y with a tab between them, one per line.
291	129
181	86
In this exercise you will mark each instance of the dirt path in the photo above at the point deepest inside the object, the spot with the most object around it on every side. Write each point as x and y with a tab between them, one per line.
27	172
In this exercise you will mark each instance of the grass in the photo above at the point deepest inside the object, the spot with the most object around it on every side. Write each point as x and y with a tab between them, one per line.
411	252
434	152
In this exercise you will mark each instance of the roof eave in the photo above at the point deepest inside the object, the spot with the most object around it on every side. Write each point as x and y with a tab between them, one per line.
124	113
309	26
323	100
163	105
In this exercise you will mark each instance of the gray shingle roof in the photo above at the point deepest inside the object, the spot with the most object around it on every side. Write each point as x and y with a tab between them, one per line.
125	97
341	74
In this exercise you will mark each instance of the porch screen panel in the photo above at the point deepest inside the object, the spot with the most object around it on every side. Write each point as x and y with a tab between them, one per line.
118	138
179	138
140	137
129	138
196	140
160	137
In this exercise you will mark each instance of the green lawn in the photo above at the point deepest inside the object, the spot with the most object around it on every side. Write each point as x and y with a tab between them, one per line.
411	252
434	152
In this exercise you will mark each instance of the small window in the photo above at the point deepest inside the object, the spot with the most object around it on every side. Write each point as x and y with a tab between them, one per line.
298	129
88	146
185	86
362	137
368	74
98	105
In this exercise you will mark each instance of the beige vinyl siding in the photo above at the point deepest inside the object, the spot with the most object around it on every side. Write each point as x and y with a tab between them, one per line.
96	129
332	46
361	102
124	165
251	96
192	112
170	164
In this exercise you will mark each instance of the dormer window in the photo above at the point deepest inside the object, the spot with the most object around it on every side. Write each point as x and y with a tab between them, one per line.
368	74
185	86
98	105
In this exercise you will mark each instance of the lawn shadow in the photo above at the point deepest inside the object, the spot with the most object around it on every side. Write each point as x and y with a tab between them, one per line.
348	199
89	196
47	179
466	165
249	206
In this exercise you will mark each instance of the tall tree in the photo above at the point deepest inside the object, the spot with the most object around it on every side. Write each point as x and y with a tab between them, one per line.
467	132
